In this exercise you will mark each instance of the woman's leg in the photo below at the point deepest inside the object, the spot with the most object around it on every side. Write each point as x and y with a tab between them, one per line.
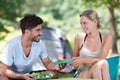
85	74
105	70
93	72
98	71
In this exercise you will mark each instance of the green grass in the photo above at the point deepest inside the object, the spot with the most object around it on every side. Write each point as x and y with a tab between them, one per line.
66	75
69	76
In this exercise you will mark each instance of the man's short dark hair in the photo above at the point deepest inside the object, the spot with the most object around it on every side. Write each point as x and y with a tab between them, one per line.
30	21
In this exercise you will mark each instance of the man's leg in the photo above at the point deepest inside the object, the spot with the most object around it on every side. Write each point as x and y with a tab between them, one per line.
3	78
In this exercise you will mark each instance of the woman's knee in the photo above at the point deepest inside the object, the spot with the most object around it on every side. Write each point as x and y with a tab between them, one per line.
101	64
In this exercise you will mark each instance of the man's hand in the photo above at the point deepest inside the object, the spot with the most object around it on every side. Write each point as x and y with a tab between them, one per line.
28	76
60	66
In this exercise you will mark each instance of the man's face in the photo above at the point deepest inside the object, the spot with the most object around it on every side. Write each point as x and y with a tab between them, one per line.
35	33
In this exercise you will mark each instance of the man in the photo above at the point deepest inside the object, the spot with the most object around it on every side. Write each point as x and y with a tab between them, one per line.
25	53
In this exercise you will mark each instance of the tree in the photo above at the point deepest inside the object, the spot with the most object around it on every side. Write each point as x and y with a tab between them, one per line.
9	11
62	13
111	5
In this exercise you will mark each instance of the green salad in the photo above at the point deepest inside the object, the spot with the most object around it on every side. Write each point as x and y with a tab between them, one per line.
44	74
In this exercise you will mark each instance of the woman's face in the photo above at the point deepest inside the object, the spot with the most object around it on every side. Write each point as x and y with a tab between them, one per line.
87	25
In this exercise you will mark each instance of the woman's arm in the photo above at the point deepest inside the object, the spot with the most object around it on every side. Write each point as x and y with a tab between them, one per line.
77	45
106	45
78	61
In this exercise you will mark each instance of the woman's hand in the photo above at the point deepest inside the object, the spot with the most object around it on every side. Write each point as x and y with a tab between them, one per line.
77	61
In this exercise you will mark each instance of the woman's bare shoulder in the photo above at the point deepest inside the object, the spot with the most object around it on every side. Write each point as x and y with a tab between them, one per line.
79	36
106	36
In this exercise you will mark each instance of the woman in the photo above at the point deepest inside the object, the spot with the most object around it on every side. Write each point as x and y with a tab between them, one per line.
91	49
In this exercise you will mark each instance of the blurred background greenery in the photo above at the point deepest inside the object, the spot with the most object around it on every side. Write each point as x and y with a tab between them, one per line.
62	14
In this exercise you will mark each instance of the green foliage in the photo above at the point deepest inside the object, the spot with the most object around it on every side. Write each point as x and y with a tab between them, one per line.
98	3
62	14
8	36
117	17
10	9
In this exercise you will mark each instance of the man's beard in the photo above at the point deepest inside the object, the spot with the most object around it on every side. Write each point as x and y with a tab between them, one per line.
36	39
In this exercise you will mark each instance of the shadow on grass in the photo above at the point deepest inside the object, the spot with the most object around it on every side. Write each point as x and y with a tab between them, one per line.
66	75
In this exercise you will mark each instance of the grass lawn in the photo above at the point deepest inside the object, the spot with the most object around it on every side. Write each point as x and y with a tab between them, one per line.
66	75
69	76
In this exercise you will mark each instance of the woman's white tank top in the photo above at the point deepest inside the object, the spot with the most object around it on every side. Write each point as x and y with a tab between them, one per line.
86	53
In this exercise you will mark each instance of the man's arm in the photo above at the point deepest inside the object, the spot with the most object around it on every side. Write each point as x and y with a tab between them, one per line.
5	69
50	66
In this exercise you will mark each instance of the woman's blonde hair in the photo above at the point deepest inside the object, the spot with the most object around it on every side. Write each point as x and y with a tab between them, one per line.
91	15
